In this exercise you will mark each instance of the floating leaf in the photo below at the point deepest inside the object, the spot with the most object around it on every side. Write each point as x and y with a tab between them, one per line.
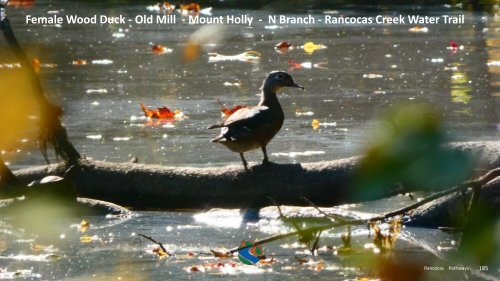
315	124
419	29
221	254
311	47
166	7
21	3
190	9
87	239
42	248
195	268
267	261
226	112
162	113
84	225
159	251
283	45
160	49
79	62
307	65
300	112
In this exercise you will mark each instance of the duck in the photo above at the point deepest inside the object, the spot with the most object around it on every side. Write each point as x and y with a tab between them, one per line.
254	127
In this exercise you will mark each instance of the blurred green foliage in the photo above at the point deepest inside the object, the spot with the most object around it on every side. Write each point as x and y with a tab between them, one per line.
480	244
409	148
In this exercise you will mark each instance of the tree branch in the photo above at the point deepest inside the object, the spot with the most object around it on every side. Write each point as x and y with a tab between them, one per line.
51	130
492	174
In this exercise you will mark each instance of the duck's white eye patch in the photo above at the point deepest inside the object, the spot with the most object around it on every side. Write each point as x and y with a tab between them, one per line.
280	76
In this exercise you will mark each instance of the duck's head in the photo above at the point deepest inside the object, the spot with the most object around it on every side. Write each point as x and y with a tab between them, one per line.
279	79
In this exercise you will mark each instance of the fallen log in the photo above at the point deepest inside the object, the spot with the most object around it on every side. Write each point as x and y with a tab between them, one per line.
450	210
141	186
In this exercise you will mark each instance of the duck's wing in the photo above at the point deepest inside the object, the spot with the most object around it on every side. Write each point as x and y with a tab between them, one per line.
243	123
249	117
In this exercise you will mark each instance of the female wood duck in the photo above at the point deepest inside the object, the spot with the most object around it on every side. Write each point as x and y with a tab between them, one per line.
253	127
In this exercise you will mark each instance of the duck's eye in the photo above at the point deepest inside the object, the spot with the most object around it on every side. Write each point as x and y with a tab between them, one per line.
280	76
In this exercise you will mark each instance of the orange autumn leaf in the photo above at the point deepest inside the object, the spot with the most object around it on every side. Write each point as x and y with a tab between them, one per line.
222	255
159	113
192	8
267	262
160	252
167	8
195	268
79	62
283	45
226	112
160	49
165	113
21	3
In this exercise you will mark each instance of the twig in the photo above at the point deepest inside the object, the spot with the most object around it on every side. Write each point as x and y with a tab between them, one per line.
315	246
283	217
333	217
156	242
492	174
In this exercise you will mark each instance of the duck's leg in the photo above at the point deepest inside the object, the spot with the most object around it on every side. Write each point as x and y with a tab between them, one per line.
266	160
245	164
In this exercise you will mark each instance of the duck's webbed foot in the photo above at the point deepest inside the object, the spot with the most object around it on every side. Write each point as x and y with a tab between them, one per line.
266	159
267	162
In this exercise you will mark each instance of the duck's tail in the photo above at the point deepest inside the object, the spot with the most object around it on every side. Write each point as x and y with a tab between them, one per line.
217	126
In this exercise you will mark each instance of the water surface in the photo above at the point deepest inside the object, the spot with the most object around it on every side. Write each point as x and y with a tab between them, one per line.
369	69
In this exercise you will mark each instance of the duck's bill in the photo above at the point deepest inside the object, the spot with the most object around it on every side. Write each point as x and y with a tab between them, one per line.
295	85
